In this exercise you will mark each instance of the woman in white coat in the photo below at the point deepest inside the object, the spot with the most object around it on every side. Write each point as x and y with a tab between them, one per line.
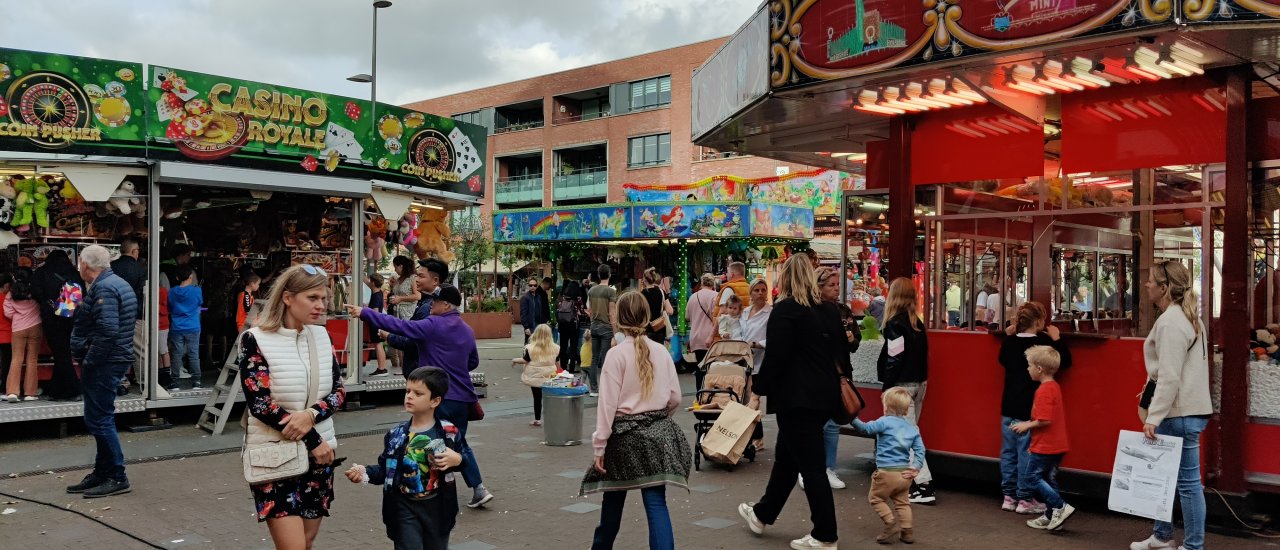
282	359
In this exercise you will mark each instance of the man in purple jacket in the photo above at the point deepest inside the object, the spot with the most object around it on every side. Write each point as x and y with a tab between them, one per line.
443	340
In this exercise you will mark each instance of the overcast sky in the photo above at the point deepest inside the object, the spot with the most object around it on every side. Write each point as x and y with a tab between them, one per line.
426	48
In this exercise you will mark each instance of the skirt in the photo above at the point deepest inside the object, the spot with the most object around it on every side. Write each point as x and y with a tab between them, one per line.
307	496
645	450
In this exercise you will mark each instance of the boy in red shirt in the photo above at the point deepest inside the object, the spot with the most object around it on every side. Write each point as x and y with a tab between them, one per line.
1048	427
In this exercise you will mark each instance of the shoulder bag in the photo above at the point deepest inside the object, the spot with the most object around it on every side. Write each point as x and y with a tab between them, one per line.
1149	390
851	402
280	459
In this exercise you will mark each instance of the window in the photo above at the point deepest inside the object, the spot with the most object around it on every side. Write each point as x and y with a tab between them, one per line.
472	117
650	150
654	92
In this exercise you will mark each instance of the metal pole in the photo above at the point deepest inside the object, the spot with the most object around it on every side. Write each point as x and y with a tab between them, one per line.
373	79
844	247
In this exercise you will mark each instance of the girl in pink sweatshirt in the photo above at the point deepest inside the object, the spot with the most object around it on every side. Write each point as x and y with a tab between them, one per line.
637	445
27	335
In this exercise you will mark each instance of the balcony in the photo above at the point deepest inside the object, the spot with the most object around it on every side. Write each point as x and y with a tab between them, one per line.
519	190
525	115
579	106
590	183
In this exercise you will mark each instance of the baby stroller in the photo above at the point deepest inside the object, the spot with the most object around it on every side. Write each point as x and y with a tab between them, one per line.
728	367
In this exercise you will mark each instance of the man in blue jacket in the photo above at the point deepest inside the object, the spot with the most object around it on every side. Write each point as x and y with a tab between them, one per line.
102	342
429	275
533	309
445	341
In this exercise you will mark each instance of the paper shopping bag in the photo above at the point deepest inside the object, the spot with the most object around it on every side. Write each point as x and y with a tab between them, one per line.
731	433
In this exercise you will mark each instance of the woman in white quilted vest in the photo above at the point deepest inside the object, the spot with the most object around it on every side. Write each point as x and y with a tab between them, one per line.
283	358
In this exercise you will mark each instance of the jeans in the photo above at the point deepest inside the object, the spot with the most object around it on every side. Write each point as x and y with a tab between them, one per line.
571	350
1044	470
913	416
599	347
420	524
661	536
456	413
831	442
1190	489
1015	461
555	333
953	318
185	346
100	382
799	453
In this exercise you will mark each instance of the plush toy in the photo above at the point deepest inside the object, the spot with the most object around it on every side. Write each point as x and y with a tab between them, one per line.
408	227
122	200
375	236
8	196
1264	344
433	236
69	193
32	202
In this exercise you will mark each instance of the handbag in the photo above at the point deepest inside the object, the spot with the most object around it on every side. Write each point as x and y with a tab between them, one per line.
1149	390
280	459
476	412
851	402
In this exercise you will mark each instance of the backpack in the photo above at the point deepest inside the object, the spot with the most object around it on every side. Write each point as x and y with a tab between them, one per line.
565	310
68	300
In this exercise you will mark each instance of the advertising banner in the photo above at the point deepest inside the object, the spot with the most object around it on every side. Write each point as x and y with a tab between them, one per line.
66	104
212	119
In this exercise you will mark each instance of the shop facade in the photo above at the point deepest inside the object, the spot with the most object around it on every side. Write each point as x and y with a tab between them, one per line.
250	177
1051	153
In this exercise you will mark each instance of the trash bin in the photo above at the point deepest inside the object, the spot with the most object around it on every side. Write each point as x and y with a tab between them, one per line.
562	417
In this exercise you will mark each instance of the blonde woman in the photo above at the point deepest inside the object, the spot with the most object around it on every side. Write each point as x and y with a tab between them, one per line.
1178	385
275	369
800	378
637	445
904	363
540	358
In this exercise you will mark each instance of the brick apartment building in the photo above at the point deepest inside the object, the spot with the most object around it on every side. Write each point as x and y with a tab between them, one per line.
575	137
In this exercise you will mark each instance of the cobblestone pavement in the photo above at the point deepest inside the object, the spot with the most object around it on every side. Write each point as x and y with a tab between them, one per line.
202	502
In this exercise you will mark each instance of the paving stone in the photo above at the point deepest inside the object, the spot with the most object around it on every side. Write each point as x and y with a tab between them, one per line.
715	523
581	507
527	455
526	439
707	489
471	545
571	474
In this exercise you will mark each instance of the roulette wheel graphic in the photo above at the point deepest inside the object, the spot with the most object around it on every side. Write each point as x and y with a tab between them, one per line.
49	99
431	149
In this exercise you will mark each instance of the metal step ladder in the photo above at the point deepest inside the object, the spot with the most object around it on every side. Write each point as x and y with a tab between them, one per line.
225	393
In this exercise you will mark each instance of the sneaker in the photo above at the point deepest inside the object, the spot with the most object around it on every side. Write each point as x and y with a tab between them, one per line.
536	423
1060	516
379	372
808	543
12	398
1040	522
1032	506
197	386
1009	504
922	494
748	512
834	480
90	481
480	499
594	394
30	398
108	488
172	387
1152	543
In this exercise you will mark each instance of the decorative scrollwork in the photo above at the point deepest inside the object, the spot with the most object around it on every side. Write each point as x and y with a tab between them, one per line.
1156	11
1198	10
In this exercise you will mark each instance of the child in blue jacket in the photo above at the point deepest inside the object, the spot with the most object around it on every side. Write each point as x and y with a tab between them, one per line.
899	456
416	468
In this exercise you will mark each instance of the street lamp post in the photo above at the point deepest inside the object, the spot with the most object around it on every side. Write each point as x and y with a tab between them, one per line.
372	79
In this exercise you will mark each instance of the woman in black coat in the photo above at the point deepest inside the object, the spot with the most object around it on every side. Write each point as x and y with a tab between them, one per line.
808	353
47	283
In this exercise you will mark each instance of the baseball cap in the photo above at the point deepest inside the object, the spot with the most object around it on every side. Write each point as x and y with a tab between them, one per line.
450	294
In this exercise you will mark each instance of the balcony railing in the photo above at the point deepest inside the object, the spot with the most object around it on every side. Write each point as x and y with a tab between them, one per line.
519	189
517	126
565	119
584	184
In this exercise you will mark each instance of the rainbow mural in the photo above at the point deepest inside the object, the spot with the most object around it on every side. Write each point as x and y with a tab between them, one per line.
816	189
653	220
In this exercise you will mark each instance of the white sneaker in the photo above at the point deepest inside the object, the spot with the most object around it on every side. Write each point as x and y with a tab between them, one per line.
30	398
809	543
748	512
834	480
1060	516
11	398
1152	543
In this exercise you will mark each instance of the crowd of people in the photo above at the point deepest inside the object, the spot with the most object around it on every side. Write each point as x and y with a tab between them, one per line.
293	386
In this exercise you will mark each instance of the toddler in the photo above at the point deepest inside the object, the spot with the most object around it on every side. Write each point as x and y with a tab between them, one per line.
899	457
729	325
1048	427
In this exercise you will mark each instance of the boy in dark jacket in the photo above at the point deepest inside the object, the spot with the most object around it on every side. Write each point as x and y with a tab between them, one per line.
416	468
1015	404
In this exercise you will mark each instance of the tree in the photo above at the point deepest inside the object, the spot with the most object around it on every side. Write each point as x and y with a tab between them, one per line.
472	246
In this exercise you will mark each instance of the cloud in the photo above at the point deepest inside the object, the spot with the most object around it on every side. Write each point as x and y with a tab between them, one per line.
426	48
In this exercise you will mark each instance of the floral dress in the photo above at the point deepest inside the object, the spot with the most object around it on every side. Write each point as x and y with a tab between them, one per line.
308	495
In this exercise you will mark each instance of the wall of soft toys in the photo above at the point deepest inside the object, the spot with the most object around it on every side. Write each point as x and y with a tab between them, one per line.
425	233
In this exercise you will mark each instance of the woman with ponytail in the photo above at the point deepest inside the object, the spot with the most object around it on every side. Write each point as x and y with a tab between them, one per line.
1176	400
637	445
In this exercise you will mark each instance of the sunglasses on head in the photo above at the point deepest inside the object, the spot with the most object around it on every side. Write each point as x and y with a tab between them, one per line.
313	270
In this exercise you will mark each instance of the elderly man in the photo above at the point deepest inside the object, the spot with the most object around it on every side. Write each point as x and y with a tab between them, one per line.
102	342
444	340
429	275
737	284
